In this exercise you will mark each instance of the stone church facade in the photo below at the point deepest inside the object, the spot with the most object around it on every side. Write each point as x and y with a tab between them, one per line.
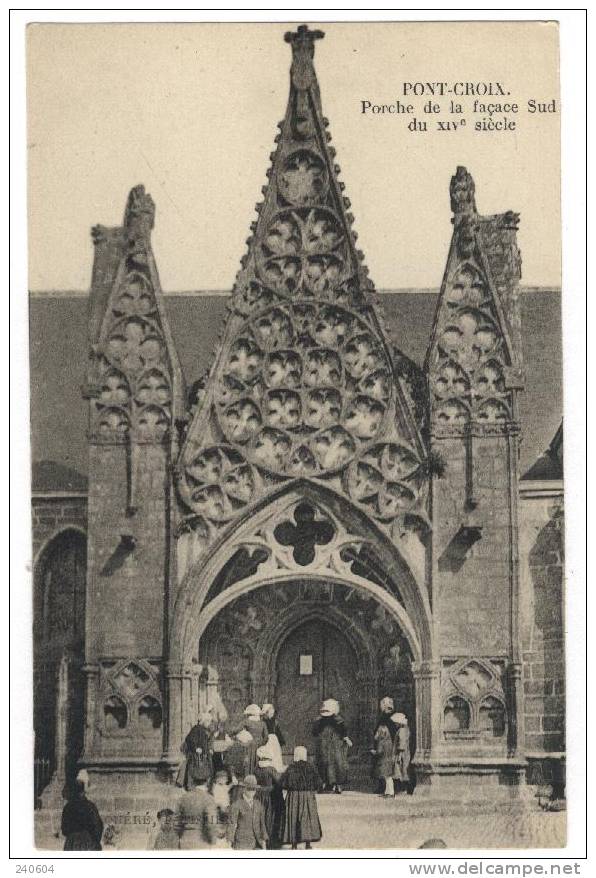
318	516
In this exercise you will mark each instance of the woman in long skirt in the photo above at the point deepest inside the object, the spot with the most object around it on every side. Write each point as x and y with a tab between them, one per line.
332	746
401	753
256	728
301	816
270	795
198	750
276	739
81	824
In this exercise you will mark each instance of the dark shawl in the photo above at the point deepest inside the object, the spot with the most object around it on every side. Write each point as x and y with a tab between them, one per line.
81	825
384	719
301	776
199	766
273	728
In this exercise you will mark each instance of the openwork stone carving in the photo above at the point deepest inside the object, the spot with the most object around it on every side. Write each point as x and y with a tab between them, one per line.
304	388
303	384
472	359
305	534
474	698
133	396
219	482
131	697
386	480
300	537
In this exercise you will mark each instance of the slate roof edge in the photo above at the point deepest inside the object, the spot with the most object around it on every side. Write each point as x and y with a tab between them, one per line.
84	294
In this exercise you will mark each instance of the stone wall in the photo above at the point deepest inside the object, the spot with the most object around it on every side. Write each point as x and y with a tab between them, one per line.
53	513
542	616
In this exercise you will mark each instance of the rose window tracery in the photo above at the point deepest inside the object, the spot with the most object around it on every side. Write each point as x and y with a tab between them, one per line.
302	250
303	179
303	388
219	482
386	480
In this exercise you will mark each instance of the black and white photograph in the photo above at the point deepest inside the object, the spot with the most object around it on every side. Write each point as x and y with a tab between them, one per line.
297	577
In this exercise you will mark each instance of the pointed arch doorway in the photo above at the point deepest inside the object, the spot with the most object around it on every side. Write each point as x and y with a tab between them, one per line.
295	643
316	661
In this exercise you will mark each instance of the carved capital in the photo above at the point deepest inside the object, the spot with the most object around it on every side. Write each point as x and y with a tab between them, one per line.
426	670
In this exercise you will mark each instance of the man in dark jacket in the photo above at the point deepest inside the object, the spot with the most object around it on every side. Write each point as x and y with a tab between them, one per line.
246	828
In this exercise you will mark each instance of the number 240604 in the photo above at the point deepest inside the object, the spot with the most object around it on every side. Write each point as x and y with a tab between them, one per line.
31	869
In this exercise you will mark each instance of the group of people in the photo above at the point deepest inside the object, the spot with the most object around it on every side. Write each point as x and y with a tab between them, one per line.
237	791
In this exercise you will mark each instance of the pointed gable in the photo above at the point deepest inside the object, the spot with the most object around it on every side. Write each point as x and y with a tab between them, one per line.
137	385
474	357
303	383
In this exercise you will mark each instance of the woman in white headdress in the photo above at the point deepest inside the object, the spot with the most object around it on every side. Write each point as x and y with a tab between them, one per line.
332	746
276	739
252	735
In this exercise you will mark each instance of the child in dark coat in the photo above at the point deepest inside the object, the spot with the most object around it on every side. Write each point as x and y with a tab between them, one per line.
383	756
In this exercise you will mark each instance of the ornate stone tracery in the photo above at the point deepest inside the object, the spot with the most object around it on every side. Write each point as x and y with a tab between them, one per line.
134	383
472	364
304	384
474	698
130	697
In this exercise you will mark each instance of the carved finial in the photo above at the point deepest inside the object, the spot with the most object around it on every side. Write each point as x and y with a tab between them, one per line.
303	52
139	215
462	191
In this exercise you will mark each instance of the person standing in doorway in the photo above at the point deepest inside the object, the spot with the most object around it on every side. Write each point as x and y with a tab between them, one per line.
386	709
276	739
332	744
256	728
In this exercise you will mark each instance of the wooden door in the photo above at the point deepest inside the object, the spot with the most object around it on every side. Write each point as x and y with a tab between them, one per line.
315	662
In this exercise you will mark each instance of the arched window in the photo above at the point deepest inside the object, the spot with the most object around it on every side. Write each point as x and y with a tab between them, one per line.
149	714
456	715
491	717
62	583
115	714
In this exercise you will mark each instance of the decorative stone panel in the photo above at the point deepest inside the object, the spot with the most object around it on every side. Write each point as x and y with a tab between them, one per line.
129	703
303	384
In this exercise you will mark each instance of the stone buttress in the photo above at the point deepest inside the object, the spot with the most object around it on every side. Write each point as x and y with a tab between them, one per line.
475	373
136	394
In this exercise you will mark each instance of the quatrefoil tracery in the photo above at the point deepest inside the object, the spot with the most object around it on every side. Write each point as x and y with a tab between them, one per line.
302	387
468	371
219	482
386	480
302	250
135	388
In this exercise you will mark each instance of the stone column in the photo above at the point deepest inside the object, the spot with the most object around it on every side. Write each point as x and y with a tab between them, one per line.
61	718
428	709
179	680
91	672
516	731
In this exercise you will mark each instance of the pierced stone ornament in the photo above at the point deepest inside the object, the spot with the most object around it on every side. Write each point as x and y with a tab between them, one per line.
303	384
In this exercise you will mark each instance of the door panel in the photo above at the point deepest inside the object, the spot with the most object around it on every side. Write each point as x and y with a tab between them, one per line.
298	696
